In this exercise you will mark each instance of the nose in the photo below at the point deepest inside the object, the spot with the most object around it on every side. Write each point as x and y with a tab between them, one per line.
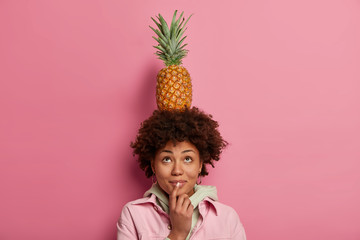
177	169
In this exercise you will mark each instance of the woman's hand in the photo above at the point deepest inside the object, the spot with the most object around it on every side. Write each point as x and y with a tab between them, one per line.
181	211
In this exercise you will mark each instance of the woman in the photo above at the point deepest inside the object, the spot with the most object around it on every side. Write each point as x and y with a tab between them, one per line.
175	147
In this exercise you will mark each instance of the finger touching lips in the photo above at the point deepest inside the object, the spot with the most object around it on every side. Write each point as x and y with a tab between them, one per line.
172	197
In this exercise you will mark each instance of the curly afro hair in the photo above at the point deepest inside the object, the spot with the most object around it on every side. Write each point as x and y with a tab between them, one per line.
192	125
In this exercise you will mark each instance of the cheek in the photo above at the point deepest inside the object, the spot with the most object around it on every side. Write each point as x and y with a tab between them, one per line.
162	172
193	173
162	177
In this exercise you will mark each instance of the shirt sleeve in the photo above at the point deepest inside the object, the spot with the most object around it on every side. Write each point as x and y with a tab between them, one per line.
125	229
238	229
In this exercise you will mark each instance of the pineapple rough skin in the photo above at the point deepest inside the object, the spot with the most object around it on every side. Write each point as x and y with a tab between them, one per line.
173	88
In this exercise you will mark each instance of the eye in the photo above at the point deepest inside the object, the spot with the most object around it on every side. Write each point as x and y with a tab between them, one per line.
166	160
188	159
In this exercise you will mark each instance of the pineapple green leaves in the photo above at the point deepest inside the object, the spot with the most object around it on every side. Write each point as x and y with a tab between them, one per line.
170	41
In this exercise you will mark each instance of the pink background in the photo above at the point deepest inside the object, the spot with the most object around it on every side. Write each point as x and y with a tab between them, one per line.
281	77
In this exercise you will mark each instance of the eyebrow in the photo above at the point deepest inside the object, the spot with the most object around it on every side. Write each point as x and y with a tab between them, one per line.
185	151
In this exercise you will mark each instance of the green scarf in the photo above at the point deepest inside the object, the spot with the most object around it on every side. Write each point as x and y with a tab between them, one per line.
200	192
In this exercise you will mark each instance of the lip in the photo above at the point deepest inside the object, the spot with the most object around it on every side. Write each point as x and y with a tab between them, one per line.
174	182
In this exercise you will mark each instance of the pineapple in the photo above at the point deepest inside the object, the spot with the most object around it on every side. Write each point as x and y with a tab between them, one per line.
173	88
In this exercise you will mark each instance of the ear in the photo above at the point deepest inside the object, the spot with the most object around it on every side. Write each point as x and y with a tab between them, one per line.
201	165
152	165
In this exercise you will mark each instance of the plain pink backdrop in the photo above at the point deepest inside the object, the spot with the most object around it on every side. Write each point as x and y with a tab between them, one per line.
281	77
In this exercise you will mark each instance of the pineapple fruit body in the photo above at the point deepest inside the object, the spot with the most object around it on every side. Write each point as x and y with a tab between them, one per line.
174	88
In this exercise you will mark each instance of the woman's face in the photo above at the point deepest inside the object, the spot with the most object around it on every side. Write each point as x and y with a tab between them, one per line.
177	163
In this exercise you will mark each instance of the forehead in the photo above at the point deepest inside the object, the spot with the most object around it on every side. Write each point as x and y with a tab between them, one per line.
179	146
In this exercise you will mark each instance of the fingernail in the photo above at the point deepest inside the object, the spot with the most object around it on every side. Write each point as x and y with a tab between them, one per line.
177	184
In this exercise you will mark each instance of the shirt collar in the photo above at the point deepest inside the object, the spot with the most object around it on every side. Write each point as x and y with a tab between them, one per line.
206	203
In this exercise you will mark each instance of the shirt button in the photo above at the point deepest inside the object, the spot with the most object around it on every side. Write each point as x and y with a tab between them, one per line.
155	207
169	227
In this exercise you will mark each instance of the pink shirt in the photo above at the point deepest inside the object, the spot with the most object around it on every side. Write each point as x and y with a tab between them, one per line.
144	219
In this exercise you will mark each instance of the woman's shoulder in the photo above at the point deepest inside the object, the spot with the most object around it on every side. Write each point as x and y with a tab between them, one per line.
137	208
141	201
218	205
222	209
223	206
221	217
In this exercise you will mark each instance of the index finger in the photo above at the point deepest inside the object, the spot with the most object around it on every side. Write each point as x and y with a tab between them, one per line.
172	196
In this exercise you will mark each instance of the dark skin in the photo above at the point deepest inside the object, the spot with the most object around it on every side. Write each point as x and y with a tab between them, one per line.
177	167
181	211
